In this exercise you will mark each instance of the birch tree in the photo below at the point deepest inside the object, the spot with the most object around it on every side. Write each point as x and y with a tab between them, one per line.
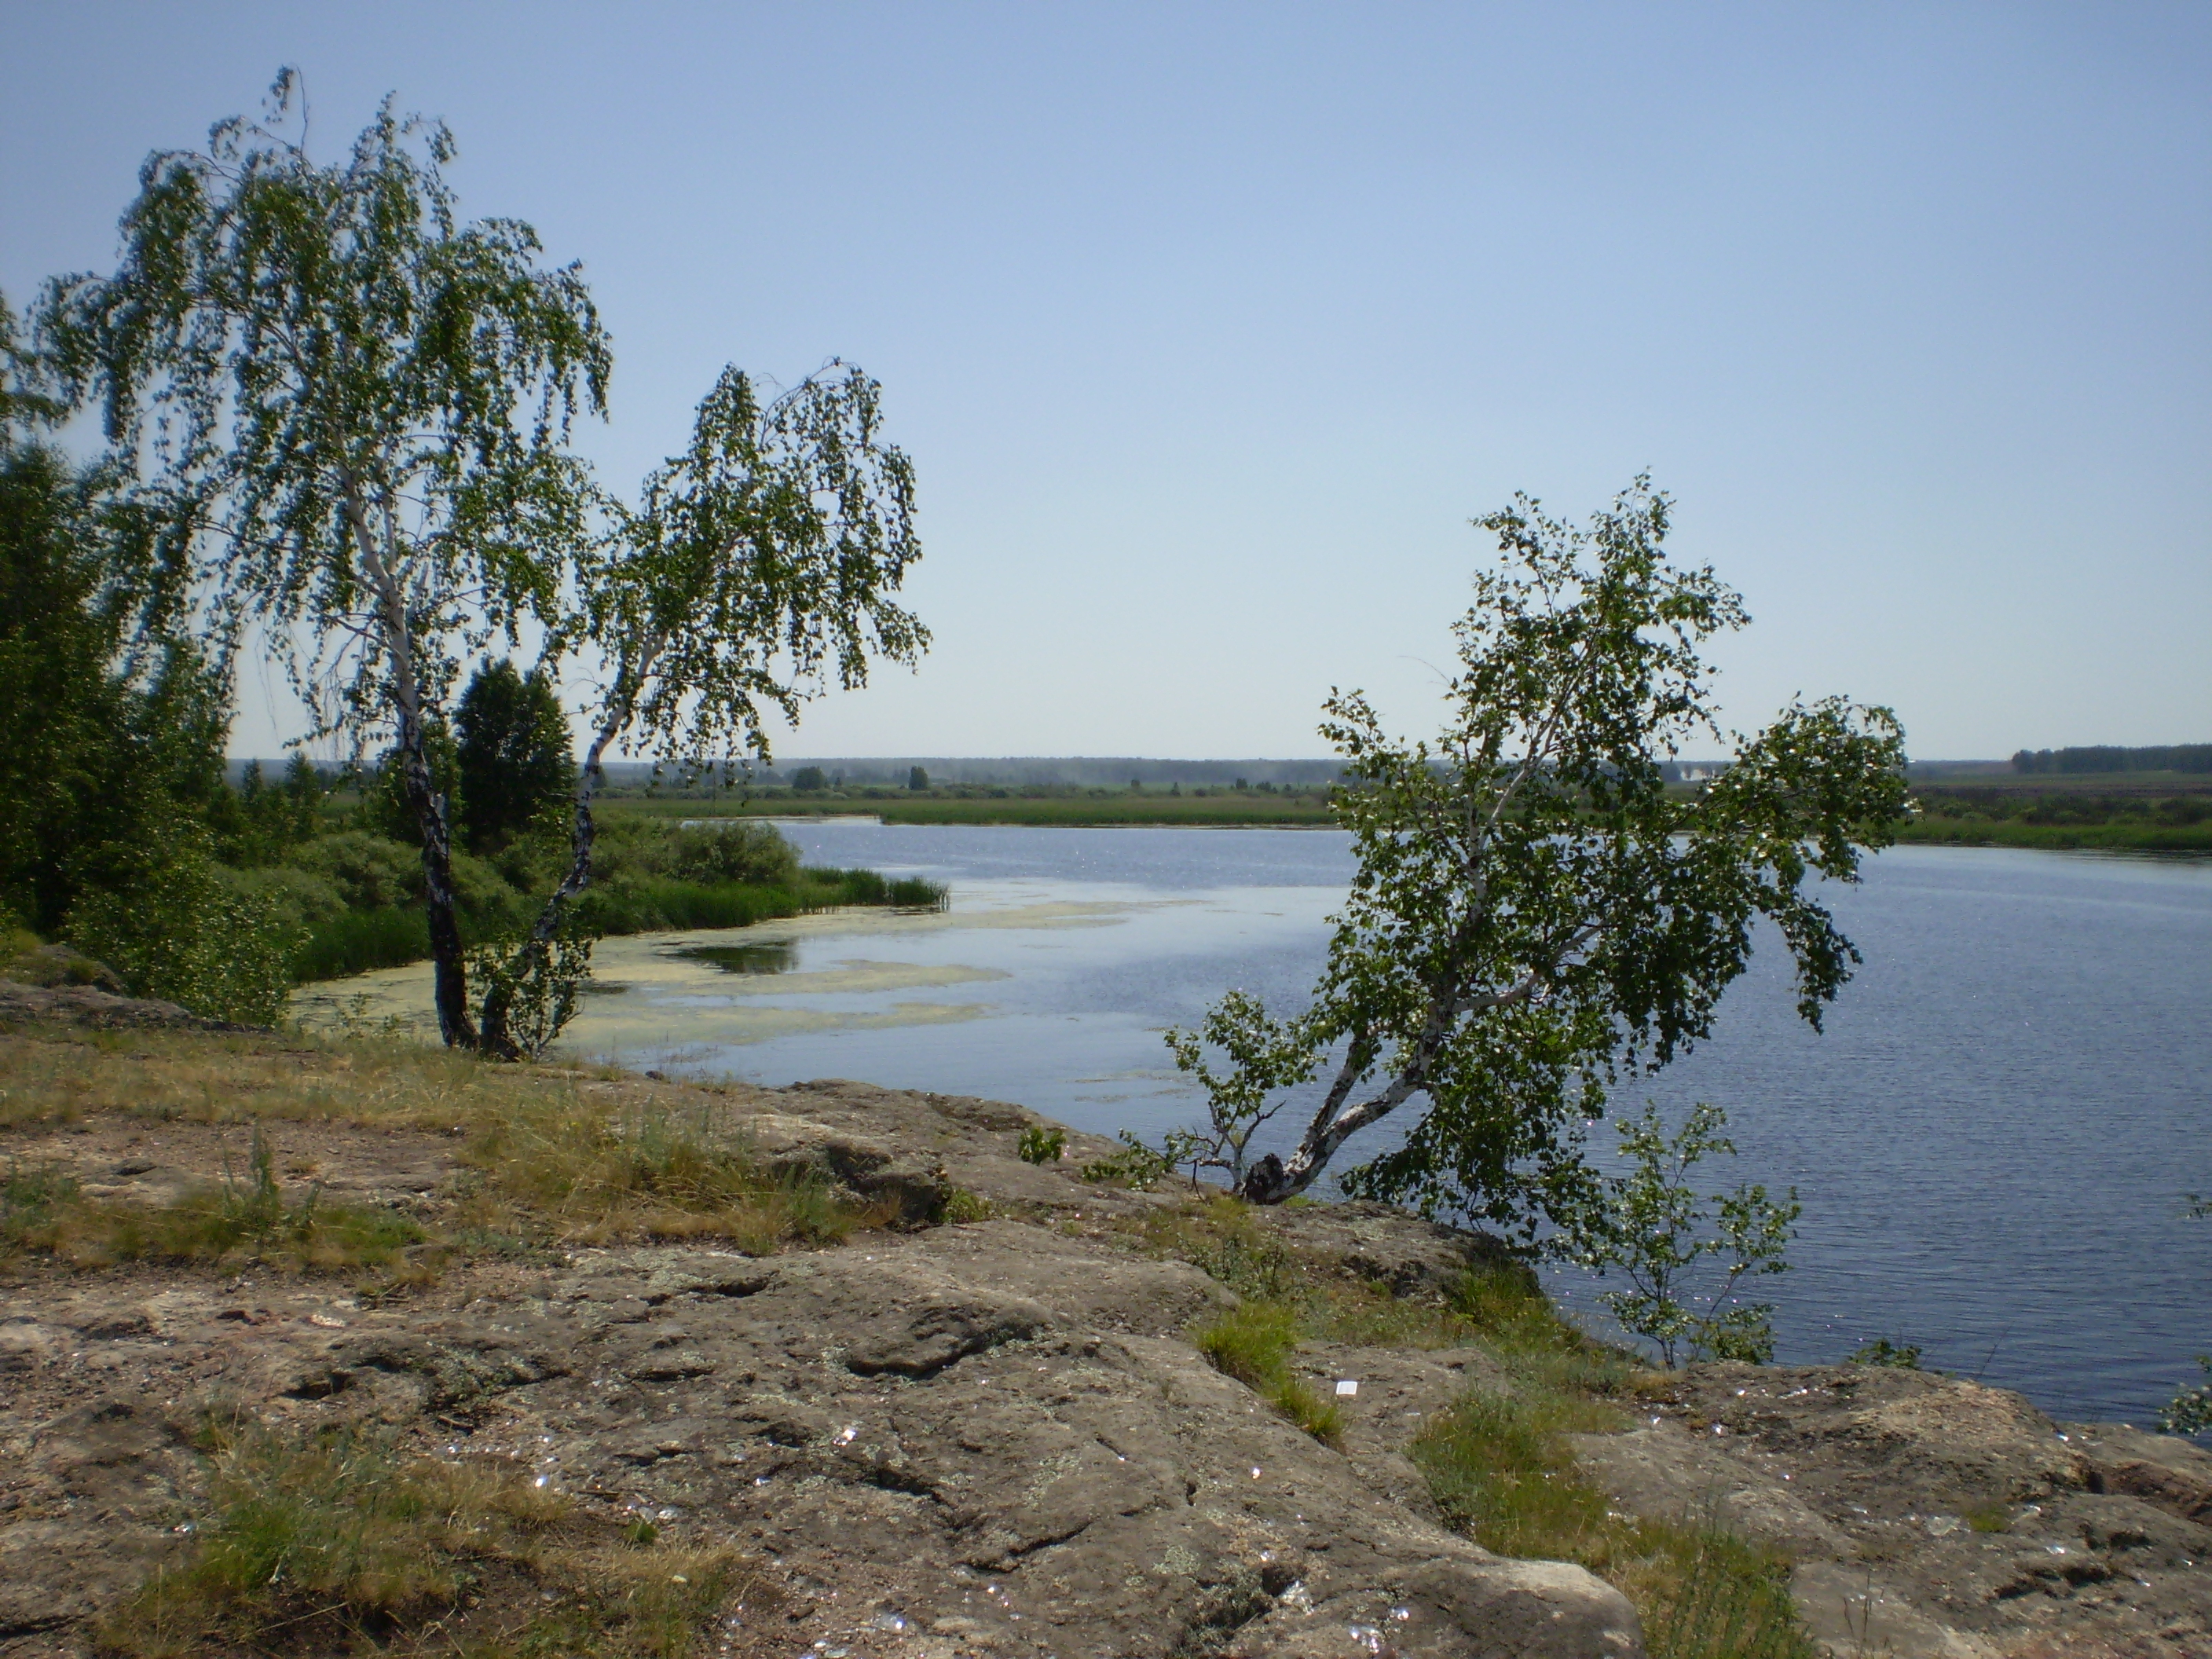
1536	912
349	412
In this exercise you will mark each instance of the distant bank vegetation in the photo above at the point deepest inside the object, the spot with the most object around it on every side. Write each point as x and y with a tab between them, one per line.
2106	757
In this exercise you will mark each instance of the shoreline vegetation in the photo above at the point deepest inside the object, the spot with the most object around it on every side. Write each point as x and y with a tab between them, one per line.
2136	812
393	936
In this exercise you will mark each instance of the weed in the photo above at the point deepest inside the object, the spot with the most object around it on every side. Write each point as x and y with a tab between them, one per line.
1901	1355
961	1205
1039	1145
1990	1517
29	1197
1222	1238
1136	1166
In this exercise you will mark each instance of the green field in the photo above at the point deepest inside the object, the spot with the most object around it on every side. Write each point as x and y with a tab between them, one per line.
2141	812
2126	836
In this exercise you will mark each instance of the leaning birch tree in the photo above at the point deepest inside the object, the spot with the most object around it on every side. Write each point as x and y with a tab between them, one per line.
350	411
1536	912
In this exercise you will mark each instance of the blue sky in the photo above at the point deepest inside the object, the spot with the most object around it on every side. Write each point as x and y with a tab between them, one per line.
1208	327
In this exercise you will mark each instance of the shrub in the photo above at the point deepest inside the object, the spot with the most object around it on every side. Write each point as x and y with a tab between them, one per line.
737	850
370	871
1039	1145
1899	1356
304	899
1650	1225
171	928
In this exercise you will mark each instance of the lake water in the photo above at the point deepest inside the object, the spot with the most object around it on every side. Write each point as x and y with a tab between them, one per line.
1993	1141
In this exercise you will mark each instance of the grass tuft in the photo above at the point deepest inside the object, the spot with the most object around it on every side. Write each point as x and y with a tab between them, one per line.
329	1540
1502	1471
1253	1343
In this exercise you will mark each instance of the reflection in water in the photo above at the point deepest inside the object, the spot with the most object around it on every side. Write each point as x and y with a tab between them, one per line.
768	956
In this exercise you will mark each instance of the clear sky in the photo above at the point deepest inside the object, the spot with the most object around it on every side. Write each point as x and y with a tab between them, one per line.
1209	326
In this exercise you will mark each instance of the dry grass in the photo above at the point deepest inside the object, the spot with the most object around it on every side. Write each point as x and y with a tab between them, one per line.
331	1540
55	1075
247	1220
554	1155
586	1174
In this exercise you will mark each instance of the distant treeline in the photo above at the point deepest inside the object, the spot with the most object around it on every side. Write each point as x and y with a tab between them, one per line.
2106	757
1073	771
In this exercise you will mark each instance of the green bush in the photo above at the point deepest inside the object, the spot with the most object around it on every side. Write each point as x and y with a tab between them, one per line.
1039	1145
739	850
173	929
301	897
370	871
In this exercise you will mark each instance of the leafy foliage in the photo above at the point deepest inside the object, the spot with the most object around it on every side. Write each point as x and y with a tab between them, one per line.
529	988
757	571
348	413
110	723
1535	913
1038	1145
165	920
1265	1055
1649	1224
2190	1411
1897	1356
345	414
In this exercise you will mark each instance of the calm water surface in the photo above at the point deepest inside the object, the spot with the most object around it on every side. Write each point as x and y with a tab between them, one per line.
1993	1141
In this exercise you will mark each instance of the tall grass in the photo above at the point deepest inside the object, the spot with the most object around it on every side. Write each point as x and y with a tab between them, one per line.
359	941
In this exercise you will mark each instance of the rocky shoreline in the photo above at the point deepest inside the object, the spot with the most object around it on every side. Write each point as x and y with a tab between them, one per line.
993	1435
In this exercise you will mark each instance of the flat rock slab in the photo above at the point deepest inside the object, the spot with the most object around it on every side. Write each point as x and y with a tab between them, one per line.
987	1439
1930	1517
